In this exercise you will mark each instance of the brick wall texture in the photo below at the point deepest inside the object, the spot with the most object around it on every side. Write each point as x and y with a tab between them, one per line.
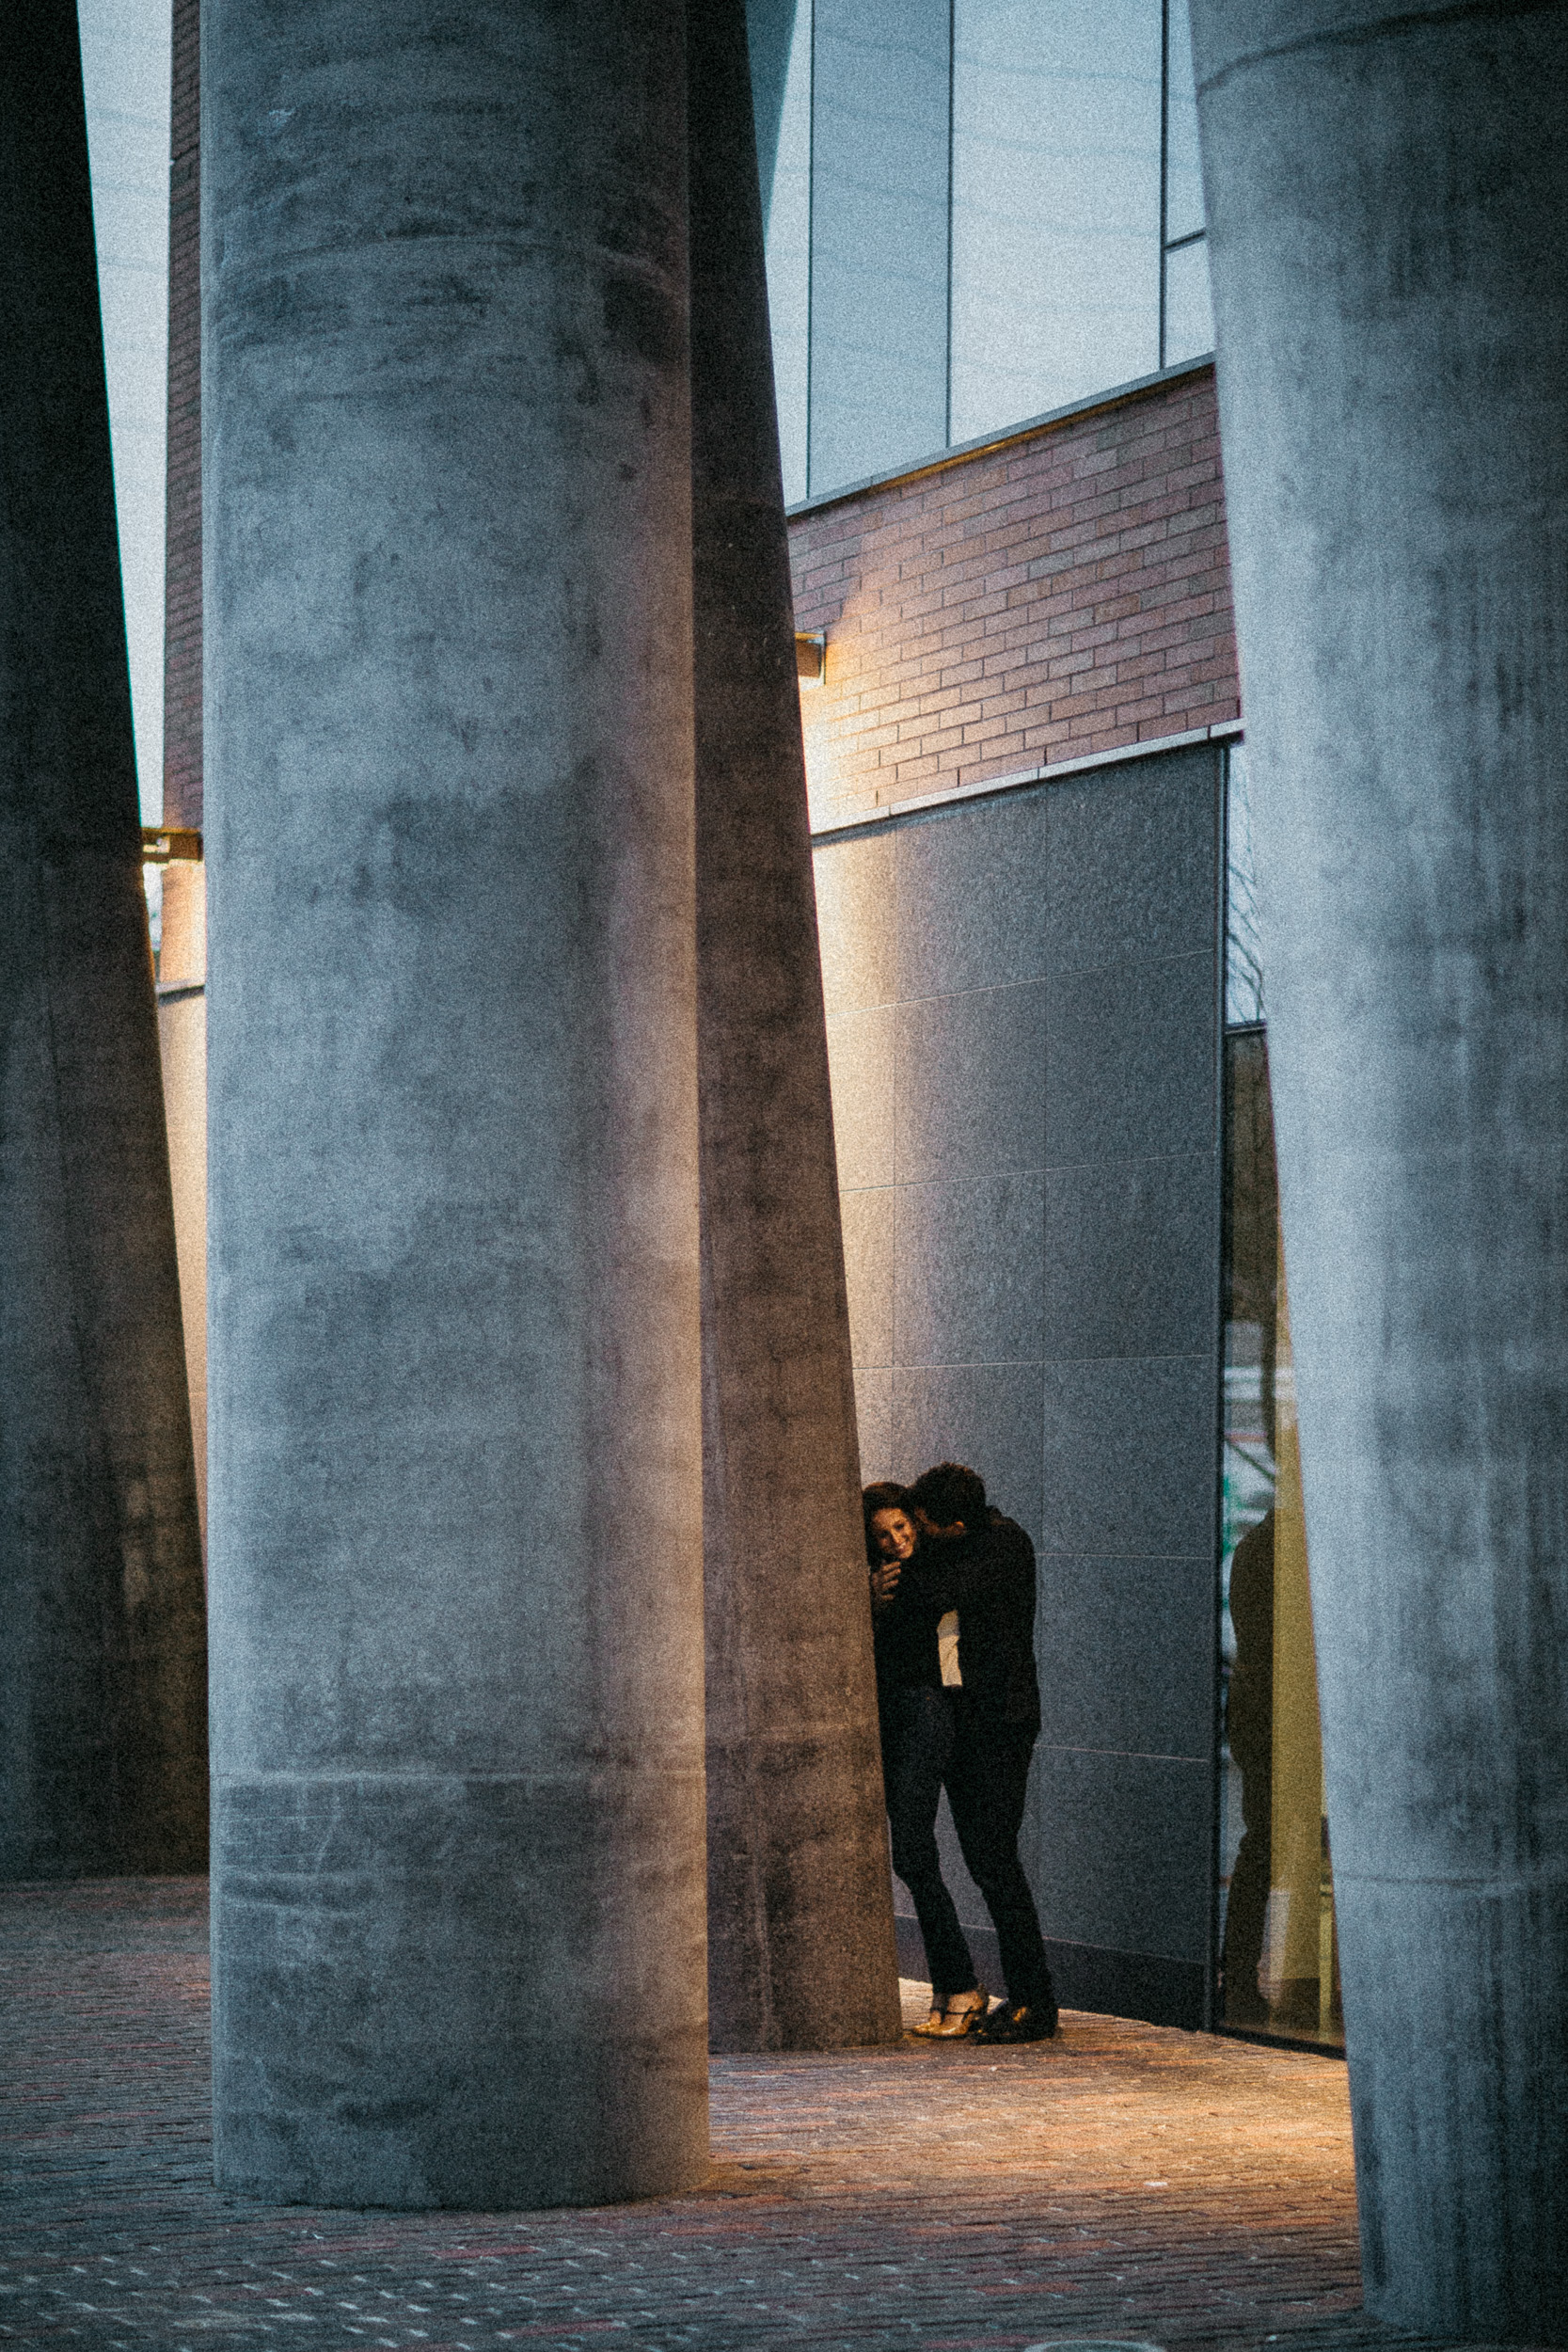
1065	594
182	561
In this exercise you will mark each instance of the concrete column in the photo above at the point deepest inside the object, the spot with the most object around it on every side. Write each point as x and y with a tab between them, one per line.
103	1700
800	1896
1389	221
454	1396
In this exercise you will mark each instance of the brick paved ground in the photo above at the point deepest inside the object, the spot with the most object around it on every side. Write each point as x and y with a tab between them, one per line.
1128	2181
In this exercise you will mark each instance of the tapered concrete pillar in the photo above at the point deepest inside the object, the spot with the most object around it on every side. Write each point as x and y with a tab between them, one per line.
102	1699
799	1896
1389	221
454	1495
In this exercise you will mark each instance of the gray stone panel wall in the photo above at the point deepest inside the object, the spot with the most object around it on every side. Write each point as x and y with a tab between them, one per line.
1023	1005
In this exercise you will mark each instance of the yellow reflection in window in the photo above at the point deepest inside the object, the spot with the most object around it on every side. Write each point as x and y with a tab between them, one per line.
1280	1962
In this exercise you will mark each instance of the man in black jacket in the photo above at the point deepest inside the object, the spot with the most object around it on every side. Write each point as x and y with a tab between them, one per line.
976	1563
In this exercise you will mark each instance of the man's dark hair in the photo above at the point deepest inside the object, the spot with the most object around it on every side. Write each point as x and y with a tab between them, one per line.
950	1492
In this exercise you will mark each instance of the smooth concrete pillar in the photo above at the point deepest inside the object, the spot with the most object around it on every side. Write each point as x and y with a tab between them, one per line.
102	1697
455	1404
800	1896
1388	223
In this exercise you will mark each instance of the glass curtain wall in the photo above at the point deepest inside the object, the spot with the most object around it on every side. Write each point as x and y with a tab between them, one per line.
879	170
780	35
1055	184
977	211
1279	1957
125	81
1186	316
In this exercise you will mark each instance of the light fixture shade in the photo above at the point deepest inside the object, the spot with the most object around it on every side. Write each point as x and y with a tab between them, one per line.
811	656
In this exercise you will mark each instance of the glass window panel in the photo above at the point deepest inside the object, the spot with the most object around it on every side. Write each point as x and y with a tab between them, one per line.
879	217
125	82
780	34
1055	203
1189	315
1280	1954
1243	943
1183	184
771	27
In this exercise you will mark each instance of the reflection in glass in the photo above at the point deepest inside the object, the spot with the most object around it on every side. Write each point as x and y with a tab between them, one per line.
1243	952
1184	183
1055	203
780	33
1189	310
878	236
1279	1956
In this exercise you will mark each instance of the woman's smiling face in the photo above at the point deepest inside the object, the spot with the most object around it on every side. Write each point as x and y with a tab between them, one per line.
893	1533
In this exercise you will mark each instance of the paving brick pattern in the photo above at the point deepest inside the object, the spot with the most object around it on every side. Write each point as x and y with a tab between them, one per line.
1128	2181
1068	594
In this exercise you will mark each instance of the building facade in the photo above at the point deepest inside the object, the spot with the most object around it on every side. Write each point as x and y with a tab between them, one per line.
1024	739
1059	1109
997	420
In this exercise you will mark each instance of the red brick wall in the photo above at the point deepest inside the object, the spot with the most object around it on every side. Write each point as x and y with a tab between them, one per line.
1069	592
182	559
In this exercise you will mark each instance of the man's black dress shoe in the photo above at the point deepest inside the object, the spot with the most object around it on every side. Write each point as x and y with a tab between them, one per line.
1020	2022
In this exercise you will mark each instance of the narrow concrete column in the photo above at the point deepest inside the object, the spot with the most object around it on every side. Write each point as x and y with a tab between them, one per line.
454	1494
1388	220
103	1698
800	1950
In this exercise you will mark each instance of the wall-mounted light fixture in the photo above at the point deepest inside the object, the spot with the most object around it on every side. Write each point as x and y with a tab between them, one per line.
162	844
811	656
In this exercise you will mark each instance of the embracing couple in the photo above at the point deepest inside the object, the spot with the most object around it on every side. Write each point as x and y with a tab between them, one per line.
953	1612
